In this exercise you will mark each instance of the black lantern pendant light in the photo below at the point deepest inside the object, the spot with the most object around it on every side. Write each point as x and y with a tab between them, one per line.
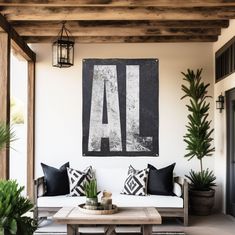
63	49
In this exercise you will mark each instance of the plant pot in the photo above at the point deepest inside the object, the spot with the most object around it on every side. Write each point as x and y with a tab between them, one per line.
201	202
92	203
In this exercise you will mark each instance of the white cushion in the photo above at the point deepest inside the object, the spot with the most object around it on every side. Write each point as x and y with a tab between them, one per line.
148	201
60	201
177	189
118	199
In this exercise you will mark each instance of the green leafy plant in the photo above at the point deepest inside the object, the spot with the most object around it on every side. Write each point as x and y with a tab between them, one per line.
13	206
7	135
199	133
202	180
91	189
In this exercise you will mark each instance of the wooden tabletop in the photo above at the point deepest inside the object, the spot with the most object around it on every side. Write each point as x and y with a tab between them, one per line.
125	215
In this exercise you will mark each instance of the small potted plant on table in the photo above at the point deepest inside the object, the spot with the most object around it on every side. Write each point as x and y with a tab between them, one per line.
91	194
198	140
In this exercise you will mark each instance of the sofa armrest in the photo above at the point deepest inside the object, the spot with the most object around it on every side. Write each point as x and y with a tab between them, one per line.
39	191
185	195
40	187
184	184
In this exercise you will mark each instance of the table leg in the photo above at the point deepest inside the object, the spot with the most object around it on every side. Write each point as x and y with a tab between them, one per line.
110	230
147	229
72	229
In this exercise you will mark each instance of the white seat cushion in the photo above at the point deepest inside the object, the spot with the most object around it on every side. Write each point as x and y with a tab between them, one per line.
118	199
148	201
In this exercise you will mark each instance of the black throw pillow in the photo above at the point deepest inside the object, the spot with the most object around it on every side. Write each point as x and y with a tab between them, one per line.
160	181
57	182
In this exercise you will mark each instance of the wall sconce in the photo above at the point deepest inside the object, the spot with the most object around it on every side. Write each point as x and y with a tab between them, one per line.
220	103
63	49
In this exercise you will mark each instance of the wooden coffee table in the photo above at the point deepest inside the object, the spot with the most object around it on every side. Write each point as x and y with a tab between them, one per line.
145	217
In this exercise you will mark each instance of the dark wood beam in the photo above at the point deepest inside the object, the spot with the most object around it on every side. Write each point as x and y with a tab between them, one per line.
150	39
180	3
118	23
17	42
118	13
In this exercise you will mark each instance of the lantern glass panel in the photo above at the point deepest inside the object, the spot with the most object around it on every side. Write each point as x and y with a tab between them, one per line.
63	53
54	54
218	104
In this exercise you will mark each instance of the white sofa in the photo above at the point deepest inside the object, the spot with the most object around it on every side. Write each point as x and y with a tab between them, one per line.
113	180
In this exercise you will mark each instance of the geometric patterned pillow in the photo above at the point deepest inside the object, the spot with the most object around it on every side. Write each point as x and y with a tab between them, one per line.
136	182
77	180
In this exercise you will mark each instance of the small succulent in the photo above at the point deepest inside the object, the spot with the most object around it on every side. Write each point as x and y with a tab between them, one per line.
91	188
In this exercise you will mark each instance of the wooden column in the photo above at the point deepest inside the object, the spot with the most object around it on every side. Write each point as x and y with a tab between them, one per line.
30	129
4	97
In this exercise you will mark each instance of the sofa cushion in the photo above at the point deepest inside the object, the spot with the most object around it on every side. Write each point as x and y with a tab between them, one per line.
118	199
56	179
136	182
77	179
160	181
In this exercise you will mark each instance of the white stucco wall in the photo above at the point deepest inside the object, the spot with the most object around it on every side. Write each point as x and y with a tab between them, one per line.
59	104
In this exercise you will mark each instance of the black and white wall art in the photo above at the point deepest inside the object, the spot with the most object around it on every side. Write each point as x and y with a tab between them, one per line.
120	107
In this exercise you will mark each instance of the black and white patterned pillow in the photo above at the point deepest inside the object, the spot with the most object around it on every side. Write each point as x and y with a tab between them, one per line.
77	179
136	182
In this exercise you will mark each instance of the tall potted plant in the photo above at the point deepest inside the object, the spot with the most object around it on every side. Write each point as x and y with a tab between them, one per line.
198	139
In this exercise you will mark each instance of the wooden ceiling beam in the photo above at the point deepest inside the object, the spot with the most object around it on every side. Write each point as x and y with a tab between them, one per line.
150	39
71	25
40	30
180	3
17	42
117	13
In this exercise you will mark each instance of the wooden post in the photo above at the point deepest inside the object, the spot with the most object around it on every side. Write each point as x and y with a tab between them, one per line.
4	97
186	201
30	129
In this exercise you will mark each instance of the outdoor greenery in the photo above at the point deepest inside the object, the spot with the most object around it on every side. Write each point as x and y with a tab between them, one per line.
199	133
13	206
91	189
7	135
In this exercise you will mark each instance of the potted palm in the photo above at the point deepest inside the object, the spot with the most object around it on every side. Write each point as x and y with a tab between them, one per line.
13	207
198	139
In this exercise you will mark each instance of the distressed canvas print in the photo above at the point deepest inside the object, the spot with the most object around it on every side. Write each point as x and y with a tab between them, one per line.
120	107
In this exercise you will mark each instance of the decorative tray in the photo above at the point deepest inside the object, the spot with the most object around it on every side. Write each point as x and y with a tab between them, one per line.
98	211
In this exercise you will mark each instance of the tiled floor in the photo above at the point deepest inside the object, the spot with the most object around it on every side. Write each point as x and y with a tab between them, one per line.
217	224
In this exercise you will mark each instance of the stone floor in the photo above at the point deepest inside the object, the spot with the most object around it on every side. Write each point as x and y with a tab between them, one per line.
217	224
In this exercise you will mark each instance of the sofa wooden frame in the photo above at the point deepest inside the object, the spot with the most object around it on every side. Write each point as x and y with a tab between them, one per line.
182	213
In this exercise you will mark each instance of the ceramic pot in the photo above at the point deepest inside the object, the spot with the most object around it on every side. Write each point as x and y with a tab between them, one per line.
201	202
92	203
